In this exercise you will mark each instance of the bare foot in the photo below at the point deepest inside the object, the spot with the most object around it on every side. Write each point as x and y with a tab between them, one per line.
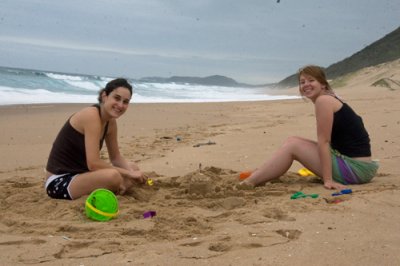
245	186
122	189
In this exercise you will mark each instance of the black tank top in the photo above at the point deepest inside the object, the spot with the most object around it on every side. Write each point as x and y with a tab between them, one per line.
68	154
349	135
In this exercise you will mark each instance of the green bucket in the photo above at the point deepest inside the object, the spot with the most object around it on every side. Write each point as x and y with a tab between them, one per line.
101	205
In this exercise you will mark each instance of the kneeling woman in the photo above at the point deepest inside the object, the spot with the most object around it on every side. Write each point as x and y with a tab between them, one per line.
74	167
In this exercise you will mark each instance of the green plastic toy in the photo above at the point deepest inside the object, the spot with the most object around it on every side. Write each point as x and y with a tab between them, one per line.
300	194
101	205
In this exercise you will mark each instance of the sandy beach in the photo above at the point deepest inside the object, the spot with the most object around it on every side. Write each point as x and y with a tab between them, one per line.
194	153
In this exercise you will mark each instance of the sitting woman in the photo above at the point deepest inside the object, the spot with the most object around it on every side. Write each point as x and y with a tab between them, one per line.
342	153
74	167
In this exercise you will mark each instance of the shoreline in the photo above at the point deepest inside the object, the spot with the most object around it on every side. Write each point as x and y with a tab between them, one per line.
292	97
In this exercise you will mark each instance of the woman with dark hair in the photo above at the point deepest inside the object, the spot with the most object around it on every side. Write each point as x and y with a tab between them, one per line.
342	153
74	167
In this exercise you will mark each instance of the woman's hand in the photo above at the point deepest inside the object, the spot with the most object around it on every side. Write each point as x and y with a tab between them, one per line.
138	176
333	185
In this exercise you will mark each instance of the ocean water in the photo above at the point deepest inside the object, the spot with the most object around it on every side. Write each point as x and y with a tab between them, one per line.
22	86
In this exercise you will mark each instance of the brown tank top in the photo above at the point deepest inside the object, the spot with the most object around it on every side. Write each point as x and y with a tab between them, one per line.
68	154
349	135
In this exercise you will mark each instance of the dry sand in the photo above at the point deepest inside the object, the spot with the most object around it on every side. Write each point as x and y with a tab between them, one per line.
202	218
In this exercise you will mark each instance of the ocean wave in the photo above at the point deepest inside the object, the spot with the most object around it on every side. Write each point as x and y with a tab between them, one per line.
63	76
10	96
27	86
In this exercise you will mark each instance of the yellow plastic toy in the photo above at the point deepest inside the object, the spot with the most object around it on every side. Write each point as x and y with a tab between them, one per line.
150	182
305	172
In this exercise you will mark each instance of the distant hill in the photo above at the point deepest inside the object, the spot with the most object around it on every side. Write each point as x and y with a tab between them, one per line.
215	80
384	50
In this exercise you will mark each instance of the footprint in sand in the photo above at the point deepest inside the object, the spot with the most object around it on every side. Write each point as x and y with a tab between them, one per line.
232	203
219	247
291	234
83	250
22	242
253	245
24	184
191	244
277	214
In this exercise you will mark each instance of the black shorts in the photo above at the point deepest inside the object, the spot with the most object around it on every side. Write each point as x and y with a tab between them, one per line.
58	187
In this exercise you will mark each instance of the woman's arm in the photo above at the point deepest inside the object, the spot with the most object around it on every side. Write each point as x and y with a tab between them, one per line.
113	148
89	123
324	111
118	161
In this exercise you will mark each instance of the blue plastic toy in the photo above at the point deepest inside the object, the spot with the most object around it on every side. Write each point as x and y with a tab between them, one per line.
342	192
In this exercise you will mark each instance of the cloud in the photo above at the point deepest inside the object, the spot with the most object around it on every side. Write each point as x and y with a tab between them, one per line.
65	45
194	37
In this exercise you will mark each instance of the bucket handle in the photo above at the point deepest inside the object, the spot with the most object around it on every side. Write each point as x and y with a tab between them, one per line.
100	212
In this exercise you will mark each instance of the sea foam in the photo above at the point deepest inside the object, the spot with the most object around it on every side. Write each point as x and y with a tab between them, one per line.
20	86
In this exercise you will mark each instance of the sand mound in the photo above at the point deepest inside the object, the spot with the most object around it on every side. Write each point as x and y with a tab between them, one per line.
387	83
187	207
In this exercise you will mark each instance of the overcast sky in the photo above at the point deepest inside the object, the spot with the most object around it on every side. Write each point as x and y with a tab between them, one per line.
253	41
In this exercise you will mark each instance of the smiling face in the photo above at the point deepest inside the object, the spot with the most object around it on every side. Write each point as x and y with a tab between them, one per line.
117	102
313	82
310	87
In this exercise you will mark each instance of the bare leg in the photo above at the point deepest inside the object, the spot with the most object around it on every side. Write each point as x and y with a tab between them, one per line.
294	148
84	184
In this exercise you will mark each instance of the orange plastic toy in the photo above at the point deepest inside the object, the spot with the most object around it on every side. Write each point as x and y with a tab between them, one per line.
244	175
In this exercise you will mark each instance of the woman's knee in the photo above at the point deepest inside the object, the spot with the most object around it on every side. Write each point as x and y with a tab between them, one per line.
292	141
297	145
113	178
